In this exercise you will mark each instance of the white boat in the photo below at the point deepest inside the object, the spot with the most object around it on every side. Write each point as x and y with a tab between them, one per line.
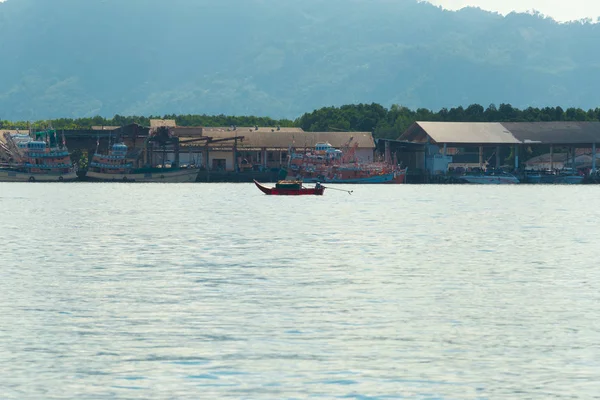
493	178
14	175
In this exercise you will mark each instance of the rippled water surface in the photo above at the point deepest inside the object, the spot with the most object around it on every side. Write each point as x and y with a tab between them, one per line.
216	291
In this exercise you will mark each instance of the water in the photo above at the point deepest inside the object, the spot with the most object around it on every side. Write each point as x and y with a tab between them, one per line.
216	291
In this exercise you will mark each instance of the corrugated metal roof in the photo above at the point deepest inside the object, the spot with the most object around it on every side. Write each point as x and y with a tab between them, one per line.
14	131
475	133
461	132
156	123
188	132
244	130
281	139
555	132
11	132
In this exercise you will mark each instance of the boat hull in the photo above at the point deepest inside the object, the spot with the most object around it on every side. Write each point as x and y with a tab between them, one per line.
491	180
569	180
14	176
390	178
555	180
179	176
290	192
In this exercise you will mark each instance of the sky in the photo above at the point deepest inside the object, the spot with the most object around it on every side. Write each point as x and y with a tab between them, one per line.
560	10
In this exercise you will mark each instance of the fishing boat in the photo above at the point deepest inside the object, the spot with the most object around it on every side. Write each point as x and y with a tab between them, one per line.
37	157
357	175
290	188
563	177
491	178
326	164
117	167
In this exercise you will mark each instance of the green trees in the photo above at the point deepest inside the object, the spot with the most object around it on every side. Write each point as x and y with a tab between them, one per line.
383	122
391	123
119	120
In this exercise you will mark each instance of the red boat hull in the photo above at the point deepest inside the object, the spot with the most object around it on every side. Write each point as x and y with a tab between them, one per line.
290	192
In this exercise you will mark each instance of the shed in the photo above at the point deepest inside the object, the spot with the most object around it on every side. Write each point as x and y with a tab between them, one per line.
460	133
555	133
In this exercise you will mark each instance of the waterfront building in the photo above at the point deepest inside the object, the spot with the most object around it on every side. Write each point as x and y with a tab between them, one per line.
492	143
261	148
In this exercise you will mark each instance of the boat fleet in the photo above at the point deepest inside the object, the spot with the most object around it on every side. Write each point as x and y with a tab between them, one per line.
44	157
326	164
499	177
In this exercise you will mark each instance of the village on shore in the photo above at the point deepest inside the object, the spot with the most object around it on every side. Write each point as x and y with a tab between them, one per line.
427	152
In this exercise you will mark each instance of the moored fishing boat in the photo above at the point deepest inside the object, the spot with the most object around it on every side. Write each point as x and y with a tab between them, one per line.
561	177
328	165
491	178
290	188
116	167
357	176
36	159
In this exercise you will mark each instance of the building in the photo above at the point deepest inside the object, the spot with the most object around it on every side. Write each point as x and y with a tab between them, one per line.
493	142
217	148
261	148
407	154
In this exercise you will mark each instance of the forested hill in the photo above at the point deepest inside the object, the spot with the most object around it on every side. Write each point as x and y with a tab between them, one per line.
73	58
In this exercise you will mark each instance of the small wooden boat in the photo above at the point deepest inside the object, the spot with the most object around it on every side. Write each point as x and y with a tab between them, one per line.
291	188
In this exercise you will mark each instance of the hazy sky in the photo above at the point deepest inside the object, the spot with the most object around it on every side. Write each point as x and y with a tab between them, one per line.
561	10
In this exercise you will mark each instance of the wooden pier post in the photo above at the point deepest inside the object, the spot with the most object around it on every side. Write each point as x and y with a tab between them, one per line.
235	156
480	157
497	157
206	162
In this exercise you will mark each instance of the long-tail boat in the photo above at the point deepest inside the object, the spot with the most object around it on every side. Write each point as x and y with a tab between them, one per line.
291	188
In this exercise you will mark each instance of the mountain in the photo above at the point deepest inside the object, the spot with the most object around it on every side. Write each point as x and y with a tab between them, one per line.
73	58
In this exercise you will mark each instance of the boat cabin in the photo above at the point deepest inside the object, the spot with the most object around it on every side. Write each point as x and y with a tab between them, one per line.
290	185
119	150
327	150
36	145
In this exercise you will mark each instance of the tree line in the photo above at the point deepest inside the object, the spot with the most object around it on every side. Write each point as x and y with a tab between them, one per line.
391	122
119	120
381	121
